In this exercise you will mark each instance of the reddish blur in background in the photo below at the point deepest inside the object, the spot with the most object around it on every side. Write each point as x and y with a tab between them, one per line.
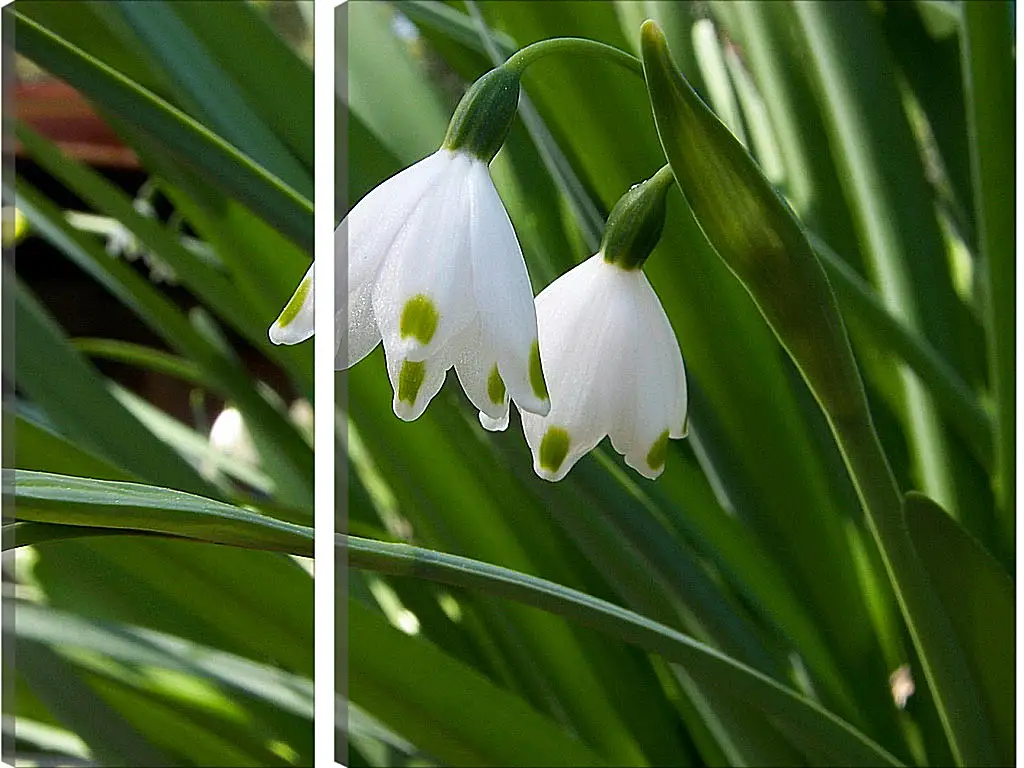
81	306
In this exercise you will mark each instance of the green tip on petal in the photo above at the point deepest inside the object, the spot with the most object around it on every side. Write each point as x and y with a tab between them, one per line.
554	448
419	319
656	456
495	387
291	309
410	379
537	383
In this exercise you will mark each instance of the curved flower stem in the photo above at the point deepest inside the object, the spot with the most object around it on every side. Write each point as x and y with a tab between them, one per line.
664	177
524	57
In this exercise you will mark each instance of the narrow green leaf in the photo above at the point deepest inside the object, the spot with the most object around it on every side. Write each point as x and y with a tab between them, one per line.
143	357
815	726
988	46
274	89
50	498
978	595
198	74
100	32
761	240
35	736
76	705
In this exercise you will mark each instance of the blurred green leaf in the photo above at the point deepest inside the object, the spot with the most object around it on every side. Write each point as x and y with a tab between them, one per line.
454	713
277	86
75	398
979	597
286	455
188	139
111	739
815	728
988	64
198	74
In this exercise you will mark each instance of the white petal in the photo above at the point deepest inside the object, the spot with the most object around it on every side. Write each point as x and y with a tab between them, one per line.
503	293
423	293
658	390
678	413
415	383
581	318
365	237
356	331
295	323
477	368
494	425
362	241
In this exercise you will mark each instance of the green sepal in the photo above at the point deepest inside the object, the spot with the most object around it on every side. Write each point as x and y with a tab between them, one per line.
484	116
635	224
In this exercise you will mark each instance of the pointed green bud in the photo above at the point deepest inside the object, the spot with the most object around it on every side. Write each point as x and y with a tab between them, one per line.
483	118
635	223
753	230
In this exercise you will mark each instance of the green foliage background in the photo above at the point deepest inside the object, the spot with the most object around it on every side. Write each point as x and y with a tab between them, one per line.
153	626
737	610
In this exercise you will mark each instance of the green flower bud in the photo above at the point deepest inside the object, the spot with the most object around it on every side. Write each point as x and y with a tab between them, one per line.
483	118
635	224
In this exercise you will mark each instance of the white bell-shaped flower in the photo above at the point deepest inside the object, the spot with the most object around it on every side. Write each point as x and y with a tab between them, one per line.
611	358
613	368
435	269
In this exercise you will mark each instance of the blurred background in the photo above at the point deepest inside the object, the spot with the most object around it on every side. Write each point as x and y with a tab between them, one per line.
160	150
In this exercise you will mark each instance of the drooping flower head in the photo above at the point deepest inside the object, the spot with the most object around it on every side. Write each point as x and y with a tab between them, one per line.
612	361
435	271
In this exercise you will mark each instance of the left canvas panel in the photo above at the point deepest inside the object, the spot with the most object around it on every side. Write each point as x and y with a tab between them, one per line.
157	443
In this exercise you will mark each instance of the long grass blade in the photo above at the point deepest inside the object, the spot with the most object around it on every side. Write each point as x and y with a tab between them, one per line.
49	498
827	732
